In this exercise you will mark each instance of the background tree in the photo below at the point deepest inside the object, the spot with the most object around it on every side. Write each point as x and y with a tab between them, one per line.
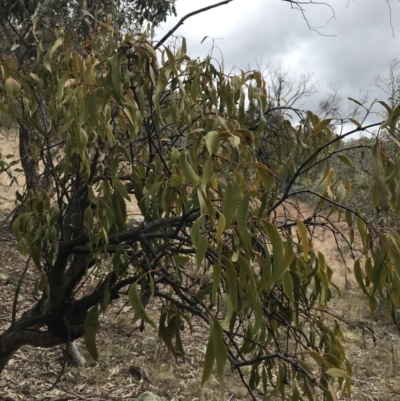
194	148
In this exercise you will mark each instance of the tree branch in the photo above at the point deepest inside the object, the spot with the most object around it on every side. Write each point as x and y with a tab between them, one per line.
300	169
183	19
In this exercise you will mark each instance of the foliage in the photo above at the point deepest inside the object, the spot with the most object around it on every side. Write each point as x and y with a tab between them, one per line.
361	173
216	174
28	27
138	11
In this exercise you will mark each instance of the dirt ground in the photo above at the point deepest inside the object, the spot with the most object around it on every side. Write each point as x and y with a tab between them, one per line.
132	362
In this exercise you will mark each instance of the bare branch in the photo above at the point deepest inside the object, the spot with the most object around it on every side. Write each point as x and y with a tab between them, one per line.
298	5
183	19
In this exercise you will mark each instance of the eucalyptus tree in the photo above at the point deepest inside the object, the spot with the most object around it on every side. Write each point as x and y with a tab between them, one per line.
124	120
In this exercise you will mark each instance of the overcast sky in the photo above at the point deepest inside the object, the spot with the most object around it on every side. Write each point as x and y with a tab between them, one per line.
363	44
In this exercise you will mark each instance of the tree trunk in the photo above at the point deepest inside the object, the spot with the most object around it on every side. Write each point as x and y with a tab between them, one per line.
5	356
11	340
28	330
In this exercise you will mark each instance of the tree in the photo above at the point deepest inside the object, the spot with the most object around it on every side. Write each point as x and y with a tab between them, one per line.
214	181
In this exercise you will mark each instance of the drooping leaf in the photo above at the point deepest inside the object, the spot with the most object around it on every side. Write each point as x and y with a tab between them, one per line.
195	233
358	275
220	351
212	142
208	360
188	171
303	236
277	250
217	272
220	228
137	306
242	215
230	202
362	229
231	278
121	189
341	193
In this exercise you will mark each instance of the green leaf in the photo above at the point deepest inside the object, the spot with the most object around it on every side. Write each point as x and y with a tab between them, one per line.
220	228
121	189
288	255
208	360
36	78
242	214
137	306
174	157
265	279
201	251
187	170
36	256
322	125
358	275
362	229
288	285
319	359
231	279
388	109
116	262
92	107
345	160
277	250
12	87
205	178
91	326
119	209
61	87
335	372
230	202
355	101
81	140
176	181
217	271
349	217
89	219
167	333
249	273
341	193
373	303
302	230
195	233
59	41
212	142
355	122
116	77
106	296
221	352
